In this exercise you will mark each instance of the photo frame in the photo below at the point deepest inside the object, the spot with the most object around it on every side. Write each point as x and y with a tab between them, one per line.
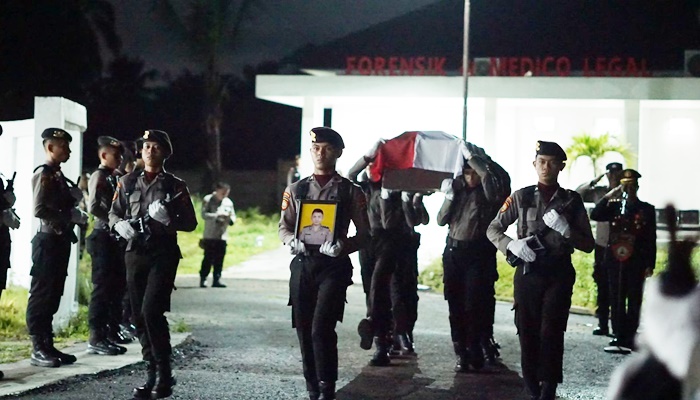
316	222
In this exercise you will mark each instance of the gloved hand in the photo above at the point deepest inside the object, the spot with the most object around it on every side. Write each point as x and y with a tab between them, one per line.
76	193
464	149
330	249
557	222
405	196
78	216
446	187
10	219
125	230
10	197
158	212
296	246
372	153
384	194
418	199
520	248
614	192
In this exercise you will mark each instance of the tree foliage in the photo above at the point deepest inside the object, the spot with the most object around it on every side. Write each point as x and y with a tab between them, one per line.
595	147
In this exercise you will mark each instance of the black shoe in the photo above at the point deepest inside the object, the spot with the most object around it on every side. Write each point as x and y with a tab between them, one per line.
217	284
41	356
202	283
549	391
406	345
120	349
164	383
601	331
491	352
617	350
380	358
144	391
327	390
462	360
476	357
313	389
102	347
364	329
65	358
1	375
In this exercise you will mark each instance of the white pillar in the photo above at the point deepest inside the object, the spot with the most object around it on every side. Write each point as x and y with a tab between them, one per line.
631	129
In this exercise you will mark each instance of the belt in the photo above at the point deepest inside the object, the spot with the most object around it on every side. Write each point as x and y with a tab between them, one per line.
48	229
459	243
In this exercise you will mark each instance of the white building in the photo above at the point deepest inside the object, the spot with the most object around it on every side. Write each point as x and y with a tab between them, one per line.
659	118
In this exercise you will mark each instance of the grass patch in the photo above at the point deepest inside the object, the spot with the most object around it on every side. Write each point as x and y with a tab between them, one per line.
179	326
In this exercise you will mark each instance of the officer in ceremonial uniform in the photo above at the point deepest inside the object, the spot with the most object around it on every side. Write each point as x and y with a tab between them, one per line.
593	193
55	204
321	274
108	270
630	256
552	221
161	203
469	259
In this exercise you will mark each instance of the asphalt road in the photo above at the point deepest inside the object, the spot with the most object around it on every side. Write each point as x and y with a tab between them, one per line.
242	347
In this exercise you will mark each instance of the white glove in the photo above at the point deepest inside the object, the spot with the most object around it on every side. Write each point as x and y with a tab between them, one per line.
10	219
520	248
405	197
296	246
158	212
384	194
125	230
78	216
446	187
76	193
372	153
464	149
10	197
557	222
330	249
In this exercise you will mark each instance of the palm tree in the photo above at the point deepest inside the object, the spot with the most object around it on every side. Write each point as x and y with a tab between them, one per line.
208	28
586	145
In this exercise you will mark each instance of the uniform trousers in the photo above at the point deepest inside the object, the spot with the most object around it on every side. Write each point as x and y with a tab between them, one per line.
367	261
600	276
404	289
5	252
50	254
317	289
626	291
108	281
214	252
150	275
391	258
542	302
468	277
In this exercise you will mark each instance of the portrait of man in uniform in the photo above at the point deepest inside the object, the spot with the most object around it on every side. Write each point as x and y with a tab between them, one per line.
316	222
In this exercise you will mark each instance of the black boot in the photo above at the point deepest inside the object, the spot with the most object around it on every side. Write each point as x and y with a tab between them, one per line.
97	344
406	345
217	283
144	391
41	356
533	389
366	332
313	389
202	282
1	375
380	358
164	383
462	361
491	352
327	390
64	357
549	391
476	356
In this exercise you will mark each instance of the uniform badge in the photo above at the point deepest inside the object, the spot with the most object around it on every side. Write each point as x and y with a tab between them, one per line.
116	192
285	200
145	134
58	134
313	136
506	204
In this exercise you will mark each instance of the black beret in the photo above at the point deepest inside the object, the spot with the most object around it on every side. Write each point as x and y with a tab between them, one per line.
613	166
56	133
160	137
326	135
549	149
630	175
108	141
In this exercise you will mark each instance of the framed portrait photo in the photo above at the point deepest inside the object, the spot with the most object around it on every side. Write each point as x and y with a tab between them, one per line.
316	222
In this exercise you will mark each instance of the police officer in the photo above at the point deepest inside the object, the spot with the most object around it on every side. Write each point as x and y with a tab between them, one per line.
469	259
108	270
55	204
630	256
593	193
161	204
218	214
556	219
321	274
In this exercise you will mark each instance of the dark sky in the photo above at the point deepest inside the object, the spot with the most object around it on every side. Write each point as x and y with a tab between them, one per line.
277	28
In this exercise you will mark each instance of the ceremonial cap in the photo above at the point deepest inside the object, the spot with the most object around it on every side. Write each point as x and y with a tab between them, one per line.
613	166
56	133
326	135
108	141
549	149
630	176
160	137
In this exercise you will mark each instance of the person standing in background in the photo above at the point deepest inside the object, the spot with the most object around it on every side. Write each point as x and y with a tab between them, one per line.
218	214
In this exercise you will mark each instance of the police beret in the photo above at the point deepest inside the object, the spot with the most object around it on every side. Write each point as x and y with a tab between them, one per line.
56	133
630	175
549	149
108	141
326	135
613	166
160	137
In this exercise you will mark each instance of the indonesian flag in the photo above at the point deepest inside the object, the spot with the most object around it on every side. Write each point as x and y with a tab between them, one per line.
427	150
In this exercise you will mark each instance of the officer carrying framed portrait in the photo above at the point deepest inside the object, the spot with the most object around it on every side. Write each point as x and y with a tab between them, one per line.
316	220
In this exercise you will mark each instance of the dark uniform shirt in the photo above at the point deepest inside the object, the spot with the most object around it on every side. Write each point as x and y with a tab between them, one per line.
471	210
101	188
357	209
181	211
529	218
52	200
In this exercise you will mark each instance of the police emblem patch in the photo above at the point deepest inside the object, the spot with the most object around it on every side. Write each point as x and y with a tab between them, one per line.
313	136
285	200
506	204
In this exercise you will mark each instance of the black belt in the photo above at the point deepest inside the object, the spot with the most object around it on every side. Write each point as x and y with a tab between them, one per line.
460	243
